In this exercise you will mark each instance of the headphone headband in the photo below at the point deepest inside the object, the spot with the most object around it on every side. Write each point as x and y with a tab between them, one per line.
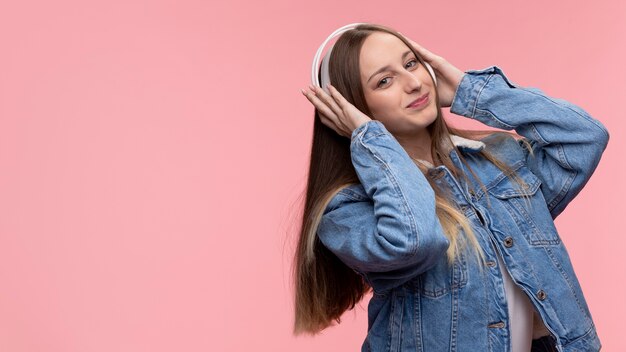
316	66
325	78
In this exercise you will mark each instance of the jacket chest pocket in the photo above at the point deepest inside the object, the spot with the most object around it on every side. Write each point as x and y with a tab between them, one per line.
530	215
443	277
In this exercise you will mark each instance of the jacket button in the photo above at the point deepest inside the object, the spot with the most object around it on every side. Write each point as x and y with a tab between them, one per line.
491	263
508	242
541	295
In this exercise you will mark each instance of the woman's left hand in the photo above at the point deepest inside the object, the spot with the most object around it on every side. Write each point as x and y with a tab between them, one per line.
448	76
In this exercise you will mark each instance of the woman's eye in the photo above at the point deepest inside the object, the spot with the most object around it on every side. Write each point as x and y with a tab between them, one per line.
381	82
413	61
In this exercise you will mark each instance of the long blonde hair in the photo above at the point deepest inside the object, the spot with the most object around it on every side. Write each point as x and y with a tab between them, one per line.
324	286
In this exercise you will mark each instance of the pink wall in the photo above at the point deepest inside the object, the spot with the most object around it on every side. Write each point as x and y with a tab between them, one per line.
151	152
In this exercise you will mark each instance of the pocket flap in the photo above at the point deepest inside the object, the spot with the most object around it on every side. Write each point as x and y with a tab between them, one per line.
504	187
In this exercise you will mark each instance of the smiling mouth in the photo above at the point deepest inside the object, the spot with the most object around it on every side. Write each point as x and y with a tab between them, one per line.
418	101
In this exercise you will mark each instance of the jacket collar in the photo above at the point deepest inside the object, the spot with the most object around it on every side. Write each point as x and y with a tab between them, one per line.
466	143
469	145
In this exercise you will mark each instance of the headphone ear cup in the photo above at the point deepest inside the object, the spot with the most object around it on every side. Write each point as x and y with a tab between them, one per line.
432	72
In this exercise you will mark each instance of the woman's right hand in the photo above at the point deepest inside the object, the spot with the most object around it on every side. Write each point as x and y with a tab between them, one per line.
335	111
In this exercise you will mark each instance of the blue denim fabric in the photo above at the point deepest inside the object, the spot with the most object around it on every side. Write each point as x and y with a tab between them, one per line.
386	229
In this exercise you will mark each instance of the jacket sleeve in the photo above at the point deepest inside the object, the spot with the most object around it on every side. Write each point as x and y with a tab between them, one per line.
567	142
391	233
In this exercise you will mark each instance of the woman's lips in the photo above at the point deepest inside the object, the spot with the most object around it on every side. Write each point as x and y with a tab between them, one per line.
419	102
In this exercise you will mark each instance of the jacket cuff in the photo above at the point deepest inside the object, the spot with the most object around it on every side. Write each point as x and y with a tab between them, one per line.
470	87
373	128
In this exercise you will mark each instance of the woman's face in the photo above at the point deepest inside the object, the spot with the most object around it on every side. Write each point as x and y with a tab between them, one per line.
392	79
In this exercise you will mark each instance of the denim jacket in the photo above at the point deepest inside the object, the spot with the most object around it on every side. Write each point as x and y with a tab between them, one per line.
386	229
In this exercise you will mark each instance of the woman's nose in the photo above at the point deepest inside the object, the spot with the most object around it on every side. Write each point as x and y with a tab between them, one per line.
412	82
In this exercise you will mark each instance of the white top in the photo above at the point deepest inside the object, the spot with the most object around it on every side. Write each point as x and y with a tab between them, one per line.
520	313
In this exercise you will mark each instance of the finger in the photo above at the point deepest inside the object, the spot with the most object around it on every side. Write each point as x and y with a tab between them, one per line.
310	95
425	53
348	110
327	98
341	101
321	106
330	102
335	94
416	45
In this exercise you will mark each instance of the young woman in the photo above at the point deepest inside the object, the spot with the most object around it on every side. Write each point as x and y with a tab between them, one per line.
451	229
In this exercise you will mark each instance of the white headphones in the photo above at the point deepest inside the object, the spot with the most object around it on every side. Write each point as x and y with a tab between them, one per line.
324	67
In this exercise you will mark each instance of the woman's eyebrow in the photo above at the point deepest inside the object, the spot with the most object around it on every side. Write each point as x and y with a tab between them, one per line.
385	68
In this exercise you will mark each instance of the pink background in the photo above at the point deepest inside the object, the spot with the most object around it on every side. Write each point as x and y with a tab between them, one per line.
152	153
